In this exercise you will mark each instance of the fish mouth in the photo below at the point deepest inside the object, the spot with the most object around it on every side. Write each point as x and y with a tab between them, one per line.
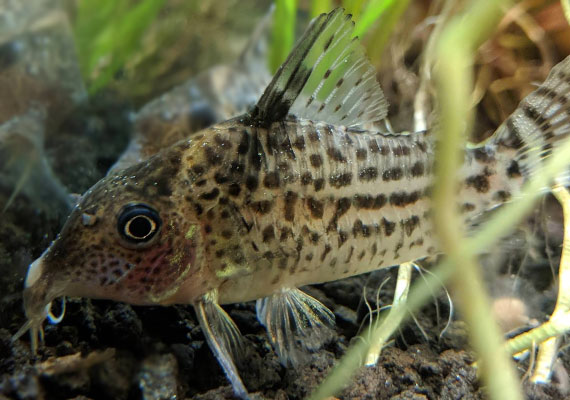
35	271
38	295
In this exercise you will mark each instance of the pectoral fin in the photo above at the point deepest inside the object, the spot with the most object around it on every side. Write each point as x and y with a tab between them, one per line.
223	337
296	323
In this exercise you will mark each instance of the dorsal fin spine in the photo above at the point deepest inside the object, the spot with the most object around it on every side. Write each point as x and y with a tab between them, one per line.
269	97
325	78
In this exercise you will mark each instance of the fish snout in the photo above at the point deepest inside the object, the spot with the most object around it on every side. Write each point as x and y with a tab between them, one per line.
35	271
38	295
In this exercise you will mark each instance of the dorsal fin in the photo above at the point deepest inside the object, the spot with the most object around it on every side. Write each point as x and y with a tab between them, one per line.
327	77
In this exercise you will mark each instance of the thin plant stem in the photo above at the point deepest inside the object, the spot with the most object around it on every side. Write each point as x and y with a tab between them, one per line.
320	6
454	81
560	319
397	310
566	9
378	38
283	32
372	12
497	227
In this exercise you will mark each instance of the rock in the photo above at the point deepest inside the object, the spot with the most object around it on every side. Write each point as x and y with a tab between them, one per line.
157	379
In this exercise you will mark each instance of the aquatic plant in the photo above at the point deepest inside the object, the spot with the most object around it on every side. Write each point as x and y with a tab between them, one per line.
108	33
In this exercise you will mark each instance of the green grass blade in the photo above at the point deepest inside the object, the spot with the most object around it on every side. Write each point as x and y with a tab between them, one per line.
354	7
566	9
499	226
454	81
378	39
283	33
374	9
319	7
108	33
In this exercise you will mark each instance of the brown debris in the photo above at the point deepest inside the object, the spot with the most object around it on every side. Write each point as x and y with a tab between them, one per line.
74	362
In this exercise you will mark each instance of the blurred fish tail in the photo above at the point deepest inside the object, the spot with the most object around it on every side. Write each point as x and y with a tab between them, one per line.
539	124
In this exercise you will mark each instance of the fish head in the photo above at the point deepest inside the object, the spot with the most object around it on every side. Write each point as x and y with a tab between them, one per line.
126	240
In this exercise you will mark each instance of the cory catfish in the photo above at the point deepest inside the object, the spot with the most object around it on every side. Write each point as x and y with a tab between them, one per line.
308	187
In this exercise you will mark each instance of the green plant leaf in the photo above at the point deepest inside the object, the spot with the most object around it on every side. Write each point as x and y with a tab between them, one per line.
283	33
374	9
108	33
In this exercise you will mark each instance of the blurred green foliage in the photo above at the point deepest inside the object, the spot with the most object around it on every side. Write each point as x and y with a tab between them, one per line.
320	6
283	32
365	13
369	13
566	9
107	33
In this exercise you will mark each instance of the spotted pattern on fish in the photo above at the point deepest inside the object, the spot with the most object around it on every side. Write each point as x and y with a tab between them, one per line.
291	227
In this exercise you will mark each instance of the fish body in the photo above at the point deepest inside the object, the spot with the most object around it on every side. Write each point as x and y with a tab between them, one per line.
302	202
305	188
248	211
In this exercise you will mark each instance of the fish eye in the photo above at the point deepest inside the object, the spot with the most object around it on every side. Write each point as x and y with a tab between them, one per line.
138	223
